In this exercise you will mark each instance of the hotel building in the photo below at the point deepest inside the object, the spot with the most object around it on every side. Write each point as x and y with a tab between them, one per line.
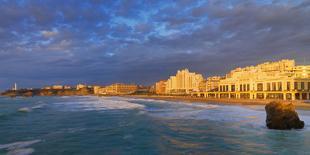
160	87
116	89
271	80
184	82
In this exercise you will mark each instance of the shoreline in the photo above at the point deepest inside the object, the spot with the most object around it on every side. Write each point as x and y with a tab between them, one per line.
300	105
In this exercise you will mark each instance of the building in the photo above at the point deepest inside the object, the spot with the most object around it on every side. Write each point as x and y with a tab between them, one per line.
212	83
184	82
202	86
67	87
80	86
160	87
116	89
99	90
47	87
271	80
57	87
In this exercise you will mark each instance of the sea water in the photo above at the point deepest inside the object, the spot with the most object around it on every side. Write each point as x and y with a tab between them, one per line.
114	125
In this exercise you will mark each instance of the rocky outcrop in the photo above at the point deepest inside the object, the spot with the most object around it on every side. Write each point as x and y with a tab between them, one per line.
282	116
48	92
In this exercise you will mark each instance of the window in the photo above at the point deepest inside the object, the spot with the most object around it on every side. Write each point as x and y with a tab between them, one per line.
248	87
295	85
280	86
226	87
274	86
302	86
233	88
288	86
241	88
260	87
268	86
308	85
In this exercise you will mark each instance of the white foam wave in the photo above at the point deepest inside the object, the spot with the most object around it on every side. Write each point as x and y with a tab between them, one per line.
26	151
145	100
19	148
99	104
40	106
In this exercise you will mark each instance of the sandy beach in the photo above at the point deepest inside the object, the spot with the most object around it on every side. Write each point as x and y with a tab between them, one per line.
302	105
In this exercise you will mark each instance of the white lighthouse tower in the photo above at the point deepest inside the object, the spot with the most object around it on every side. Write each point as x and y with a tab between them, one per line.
15	86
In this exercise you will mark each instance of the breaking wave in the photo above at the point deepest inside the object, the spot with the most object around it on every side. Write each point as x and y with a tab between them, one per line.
19	148
97	104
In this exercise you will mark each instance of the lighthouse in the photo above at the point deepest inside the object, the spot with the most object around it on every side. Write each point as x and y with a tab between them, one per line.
15	86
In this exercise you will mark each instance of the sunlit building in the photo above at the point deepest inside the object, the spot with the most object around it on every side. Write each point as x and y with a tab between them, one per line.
212	83
160	87
184	82
116	89
270	80
98	89
67	87
80	86
57	87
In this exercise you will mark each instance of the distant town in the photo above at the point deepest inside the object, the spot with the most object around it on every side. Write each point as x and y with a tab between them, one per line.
283	80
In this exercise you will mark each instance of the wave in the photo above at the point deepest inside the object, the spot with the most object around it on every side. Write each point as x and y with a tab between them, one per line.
24	109
40	106
98	104
19	148
26	151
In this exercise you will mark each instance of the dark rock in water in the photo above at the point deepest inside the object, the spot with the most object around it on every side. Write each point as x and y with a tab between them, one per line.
282	116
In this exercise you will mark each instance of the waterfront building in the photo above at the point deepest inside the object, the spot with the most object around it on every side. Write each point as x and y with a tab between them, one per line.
202	86
121	88
116	89
67	87
57	87
271	80
80	86
184	82
160	87
212	83
47	87
99	90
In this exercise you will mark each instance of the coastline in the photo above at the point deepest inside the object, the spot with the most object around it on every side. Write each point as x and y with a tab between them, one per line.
300	105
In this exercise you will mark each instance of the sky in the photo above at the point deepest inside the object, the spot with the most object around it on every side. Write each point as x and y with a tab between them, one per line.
45	42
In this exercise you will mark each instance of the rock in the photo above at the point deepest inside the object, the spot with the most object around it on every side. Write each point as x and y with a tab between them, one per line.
282	116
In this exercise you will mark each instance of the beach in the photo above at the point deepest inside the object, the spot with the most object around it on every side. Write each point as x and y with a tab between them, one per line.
302	105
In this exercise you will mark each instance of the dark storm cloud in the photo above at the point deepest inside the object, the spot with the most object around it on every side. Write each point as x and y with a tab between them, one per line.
100	41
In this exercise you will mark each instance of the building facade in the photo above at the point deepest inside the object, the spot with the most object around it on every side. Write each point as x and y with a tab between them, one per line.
184	82
116	89
80	86
160	87
213	83
271	80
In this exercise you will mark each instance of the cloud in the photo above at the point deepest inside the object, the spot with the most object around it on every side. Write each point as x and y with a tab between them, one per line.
102	42
48	34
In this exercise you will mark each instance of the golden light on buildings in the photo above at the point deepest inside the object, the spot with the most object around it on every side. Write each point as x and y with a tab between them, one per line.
270	80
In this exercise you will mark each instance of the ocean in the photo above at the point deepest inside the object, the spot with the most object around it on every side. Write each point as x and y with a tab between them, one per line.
91	125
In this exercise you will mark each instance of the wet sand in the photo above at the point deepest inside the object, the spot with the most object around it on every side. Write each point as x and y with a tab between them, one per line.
299	104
